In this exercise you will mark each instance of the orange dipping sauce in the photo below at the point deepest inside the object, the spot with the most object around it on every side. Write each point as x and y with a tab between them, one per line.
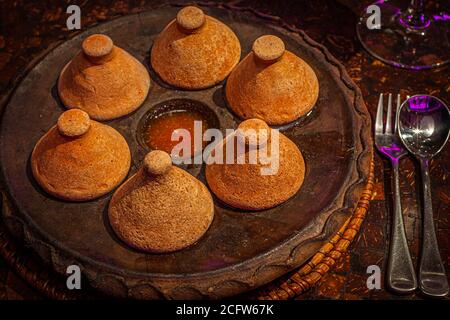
158	132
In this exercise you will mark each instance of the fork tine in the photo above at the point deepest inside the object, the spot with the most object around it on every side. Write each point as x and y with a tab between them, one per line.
379	119
396	113
388	128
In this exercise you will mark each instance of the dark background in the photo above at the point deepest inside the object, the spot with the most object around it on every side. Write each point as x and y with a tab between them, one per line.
28	28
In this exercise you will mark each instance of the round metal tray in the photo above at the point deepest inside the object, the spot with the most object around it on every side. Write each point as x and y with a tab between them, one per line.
241	250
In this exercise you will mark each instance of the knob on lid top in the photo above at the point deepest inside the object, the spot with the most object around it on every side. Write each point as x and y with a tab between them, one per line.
97	46
268	48
254	132
73	123
157	162
190	18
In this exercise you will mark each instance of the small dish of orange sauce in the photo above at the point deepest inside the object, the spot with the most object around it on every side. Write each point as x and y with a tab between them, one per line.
174	115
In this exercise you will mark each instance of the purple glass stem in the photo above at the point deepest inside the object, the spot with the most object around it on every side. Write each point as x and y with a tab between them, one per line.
414	17
418	5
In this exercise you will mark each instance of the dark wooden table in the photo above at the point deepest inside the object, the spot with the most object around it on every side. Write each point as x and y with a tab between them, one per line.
27	28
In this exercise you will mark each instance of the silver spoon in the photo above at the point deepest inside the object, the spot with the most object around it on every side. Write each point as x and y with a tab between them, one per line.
424	128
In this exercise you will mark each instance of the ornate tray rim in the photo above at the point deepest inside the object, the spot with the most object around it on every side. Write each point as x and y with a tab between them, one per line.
348	199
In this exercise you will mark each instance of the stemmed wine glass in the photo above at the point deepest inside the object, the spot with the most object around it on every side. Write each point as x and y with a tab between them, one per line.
407	38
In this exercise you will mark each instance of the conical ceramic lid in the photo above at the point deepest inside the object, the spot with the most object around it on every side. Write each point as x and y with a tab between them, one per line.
272	84
80	159
103	80
274	176
161	208
195	50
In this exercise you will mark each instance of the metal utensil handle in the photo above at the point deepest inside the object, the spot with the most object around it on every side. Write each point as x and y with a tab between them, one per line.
400	272
433	280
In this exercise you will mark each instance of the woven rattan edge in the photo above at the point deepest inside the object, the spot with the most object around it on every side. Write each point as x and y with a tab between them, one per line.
31	270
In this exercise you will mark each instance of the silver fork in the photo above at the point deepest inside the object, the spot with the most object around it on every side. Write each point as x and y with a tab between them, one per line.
401	277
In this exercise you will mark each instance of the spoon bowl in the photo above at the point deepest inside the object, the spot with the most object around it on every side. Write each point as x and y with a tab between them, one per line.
424	125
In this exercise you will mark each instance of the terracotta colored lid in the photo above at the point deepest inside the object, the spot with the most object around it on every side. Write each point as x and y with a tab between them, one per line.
161	208
272	83
103	80
79	159
275	176
195	51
